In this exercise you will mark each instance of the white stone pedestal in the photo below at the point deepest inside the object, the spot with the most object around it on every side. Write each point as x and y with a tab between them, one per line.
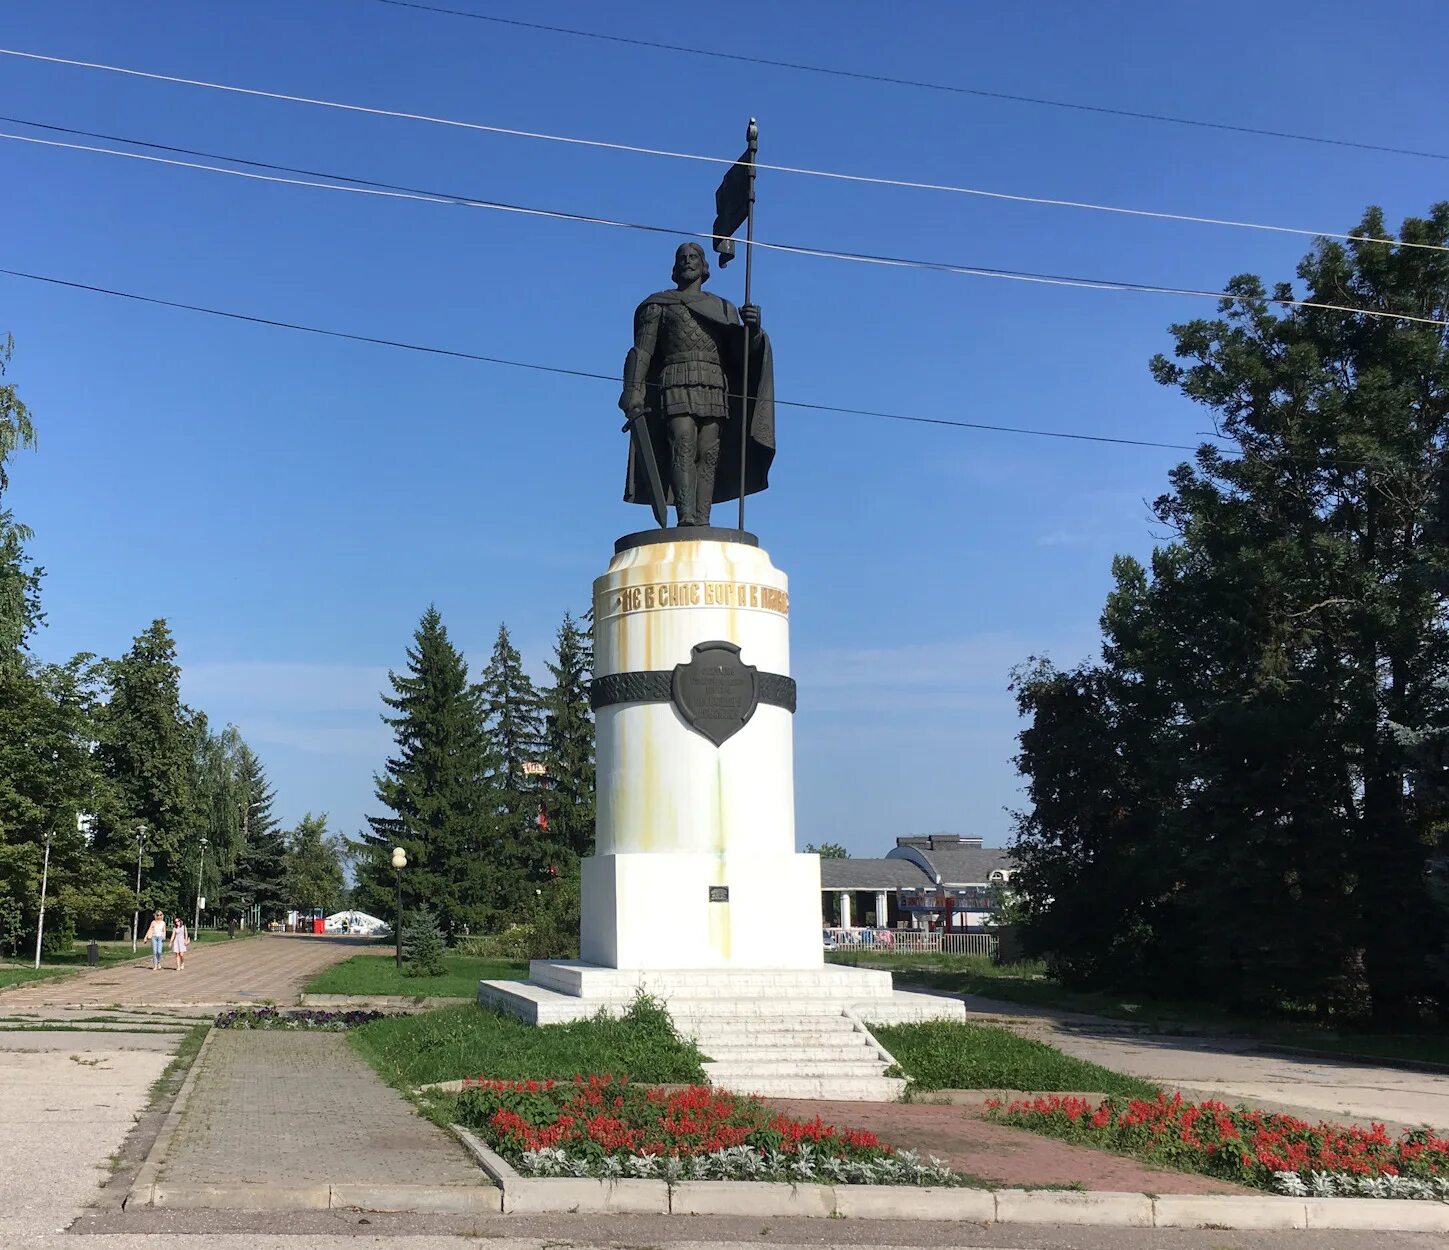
683	822
695	893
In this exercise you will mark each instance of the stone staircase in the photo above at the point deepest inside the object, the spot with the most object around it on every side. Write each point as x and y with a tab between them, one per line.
786	1033
821	1053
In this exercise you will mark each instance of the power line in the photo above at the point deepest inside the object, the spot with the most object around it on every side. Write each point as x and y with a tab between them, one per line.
950	88
392	191
802	171
456	354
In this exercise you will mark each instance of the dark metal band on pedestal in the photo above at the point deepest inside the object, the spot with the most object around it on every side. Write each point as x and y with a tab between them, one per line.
657	686
685	534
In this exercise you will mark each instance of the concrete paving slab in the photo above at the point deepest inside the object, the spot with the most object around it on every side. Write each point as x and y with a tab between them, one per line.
266	968
301	1108
65	1106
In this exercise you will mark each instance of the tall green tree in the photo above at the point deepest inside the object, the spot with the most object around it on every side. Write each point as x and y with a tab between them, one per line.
144	753
314	866
1233	777
436	789
258	882
17	430
219	798
513	717
568	798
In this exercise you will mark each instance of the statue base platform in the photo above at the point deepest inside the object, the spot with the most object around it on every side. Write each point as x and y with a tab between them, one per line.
696	895
784	1033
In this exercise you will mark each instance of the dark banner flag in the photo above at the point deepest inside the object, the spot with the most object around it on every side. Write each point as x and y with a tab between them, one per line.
732	204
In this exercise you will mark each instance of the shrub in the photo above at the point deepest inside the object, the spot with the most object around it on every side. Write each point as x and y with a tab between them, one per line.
423	945
515	942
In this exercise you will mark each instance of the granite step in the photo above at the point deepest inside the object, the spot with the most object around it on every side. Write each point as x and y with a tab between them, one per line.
836	1089
750	1068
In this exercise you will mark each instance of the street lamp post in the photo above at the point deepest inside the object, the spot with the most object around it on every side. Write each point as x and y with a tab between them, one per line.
399	862
200	860
136	915
44	881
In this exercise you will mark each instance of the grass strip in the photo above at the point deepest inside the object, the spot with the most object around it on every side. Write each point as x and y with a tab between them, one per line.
951	1054
378	976
469	1041
175	1072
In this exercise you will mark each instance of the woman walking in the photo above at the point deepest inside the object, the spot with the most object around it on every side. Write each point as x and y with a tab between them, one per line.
156	932
180	940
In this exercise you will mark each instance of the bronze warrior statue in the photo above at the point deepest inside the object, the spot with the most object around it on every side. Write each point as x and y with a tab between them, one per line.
685	397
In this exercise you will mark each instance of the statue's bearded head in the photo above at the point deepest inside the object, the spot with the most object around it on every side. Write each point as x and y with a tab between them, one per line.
690	264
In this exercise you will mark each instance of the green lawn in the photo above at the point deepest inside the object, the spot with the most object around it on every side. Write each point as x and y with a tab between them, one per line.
1029	985
950	1054
378	975
468	1040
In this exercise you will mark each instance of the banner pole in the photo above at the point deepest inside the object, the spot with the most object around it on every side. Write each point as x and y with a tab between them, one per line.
752	134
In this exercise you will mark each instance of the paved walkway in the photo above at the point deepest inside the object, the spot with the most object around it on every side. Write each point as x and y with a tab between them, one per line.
67	1100
298	1108
1230	1069
266	968
1235	1069
1009	1156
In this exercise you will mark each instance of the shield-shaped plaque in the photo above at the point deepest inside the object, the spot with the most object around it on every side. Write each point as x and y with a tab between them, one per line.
716	692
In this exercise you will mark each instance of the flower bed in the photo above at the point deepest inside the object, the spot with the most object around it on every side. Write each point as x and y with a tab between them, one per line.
602	1126
1258	1148
271	1018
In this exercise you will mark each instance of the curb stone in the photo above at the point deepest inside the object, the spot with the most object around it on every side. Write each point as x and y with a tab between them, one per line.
537	1195
1233	1211
883	1202
1044	1206
750	1198
1374	1214
357	1196
143	1188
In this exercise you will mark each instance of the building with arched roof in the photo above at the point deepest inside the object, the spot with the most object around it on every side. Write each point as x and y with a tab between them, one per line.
925	881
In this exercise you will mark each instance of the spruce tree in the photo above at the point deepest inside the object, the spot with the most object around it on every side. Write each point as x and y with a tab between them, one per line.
145	752
512	709
568	800
435	787
258	881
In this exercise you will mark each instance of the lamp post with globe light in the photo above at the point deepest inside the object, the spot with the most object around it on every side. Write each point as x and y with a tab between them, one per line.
399	862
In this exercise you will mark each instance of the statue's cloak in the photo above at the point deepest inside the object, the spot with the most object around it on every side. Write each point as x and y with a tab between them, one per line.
722	319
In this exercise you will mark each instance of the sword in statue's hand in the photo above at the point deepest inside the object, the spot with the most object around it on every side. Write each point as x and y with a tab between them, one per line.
644	445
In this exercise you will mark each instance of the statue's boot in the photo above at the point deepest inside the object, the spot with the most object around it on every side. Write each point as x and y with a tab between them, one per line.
686	487
704	478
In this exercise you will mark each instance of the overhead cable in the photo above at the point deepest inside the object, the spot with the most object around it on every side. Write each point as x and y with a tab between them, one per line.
952	88
638	150
557	369
360	187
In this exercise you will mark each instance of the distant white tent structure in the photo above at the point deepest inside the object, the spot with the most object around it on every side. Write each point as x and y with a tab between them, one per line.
355	922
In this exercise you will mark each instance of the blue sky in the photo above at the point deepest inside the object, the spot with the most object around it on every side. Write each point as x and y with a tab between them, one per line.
292	504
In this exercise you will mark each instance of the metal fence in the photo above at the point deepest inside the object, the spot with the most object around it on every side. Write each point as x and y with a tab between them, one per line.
913	941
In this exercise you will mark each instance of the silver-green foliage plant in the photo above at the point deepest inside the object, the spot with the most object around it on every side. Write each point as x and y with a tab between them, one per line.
423	946
744	1163
1347	1185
